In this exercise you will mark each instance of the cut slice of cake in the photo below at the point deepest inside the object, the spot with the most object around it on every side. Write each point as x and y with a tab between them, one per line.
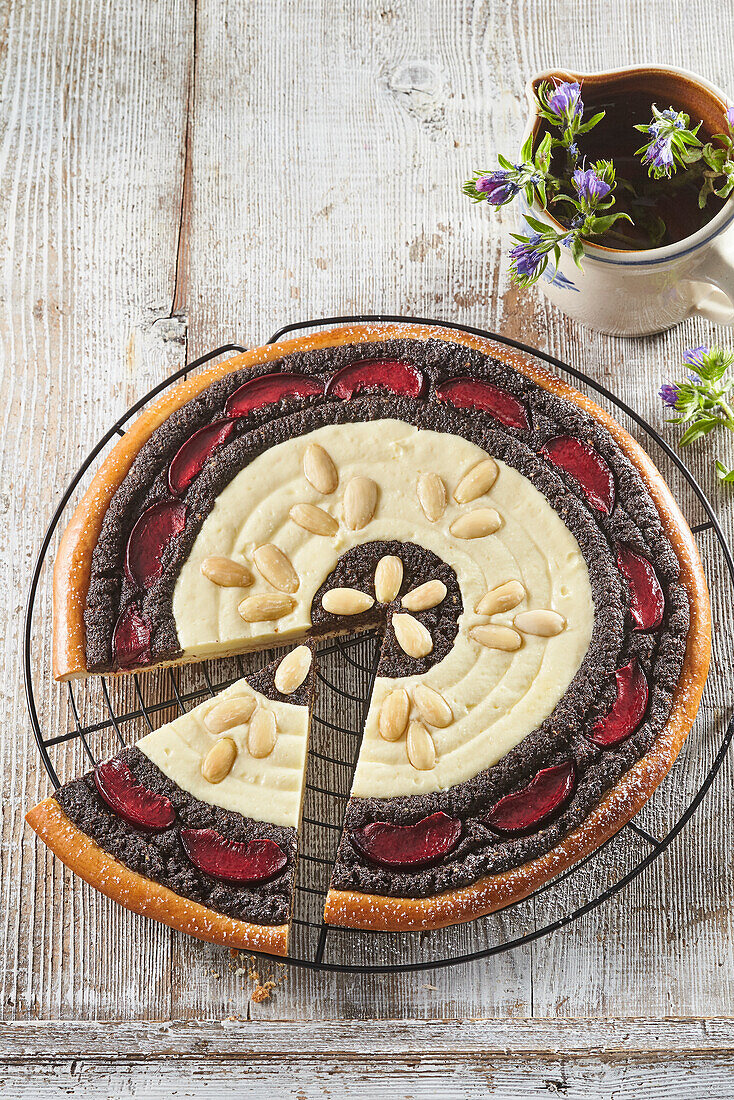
196	825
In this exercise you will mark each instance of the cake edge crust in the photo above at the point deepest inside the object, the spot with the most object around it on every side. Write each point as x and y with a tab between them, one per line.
144	896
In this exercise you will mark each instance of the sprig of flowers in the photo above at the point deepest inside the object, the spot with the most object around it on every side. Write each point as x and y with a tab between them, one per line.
562	106
718	176
672	144
702	400
530	175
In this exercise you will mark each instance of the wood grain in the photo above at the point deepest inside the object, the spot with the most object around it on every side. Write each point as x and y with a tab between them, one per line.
175	175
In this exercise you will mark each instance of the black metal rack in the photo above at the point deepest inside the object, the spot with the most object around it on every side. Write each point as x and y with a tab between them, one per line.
133	705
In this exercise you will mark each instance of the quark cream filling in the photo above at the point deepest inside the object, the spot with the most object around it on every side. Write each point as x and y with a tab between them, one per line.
267	788
497	697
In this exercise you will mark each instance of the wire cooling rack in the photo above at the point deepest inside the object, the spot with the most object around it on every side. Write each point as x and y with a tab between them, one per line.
104	713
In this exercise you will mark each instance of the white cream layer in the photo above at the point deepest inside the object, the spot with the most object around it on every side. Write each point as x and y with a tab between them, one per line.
497	697
266	789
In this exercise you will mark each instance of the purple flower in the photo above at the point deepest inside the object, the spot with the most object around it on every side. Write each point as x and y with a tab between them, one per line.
589	186
660	155
669	394
527	259
498	187
730	117
694	357
573	150
566	100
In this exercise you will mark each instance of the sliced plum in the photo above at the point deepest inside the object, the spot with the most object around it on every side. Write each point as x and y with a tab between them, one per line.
233	860
628	708
189	460
543	797
399	378
408	846
647	600
131	639
130	799
149	538
465	392
268	389
586	466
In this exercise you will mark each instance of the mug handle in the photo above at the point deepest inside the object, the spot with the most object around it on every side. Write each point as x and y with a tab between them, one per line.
716	303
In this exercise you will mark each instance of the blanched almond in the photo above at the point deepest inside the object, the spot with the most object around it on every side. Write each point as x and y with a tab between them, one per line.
476	524
226	573
426	595
234	711
420	748
360	501
319	469
497	637
432	706
388	578
346	601
266	606
412	636
503	598
394	715
274	566
477	481
219	760
543	624
262	734
314	519
293	670
431	496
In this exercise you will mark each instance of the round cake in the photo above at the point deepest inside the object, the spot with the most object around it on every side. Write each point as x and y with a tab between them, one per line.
544	620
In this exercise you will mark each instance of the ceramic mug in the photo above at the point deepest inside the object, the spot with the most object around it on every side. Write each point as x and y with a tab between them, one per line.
634	293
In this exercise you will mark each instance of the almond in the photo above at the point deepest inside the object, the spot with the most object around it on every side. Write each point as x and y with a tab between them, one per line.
319	469
346	601
262	733
219	760
420	748
394	715
235	711
388	578
360	501
314	519
266	606
503	598
496	637
476	524
293	670
424	596
432	706
477	481
431	496
275	568
412	636
543	624
226	573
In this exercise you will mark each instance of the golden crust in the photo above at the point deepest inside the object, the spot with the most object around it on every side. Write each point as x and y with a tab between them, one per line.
142	895
349	908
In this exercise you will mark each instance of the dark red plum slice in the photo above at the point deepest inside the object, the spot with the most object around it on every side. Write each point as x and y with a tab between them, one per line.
233	860
402	379
647	601
465	392
131	800
131	639
428	841
544	796
586	466
149	538
628	708
268	389
190	458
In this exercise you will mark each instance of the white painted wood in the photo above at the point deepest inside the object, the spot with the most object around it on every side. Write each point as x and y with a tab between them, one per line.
162	191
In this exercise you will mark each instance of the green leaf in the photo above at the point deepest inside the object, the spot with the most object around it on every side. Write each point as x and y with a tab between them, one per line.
593	121
724	473
698	429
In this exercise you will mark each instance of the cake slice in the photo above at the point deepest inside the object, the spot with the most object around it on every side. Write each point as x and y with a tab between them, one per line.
196	825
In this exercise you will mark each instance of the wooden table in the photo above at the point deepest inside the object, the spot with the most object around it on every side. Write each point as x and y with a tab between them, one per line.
176	175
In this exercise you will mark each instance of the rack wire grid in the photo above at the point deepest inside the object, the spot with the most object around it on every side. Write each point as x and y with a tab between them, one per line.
105	713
